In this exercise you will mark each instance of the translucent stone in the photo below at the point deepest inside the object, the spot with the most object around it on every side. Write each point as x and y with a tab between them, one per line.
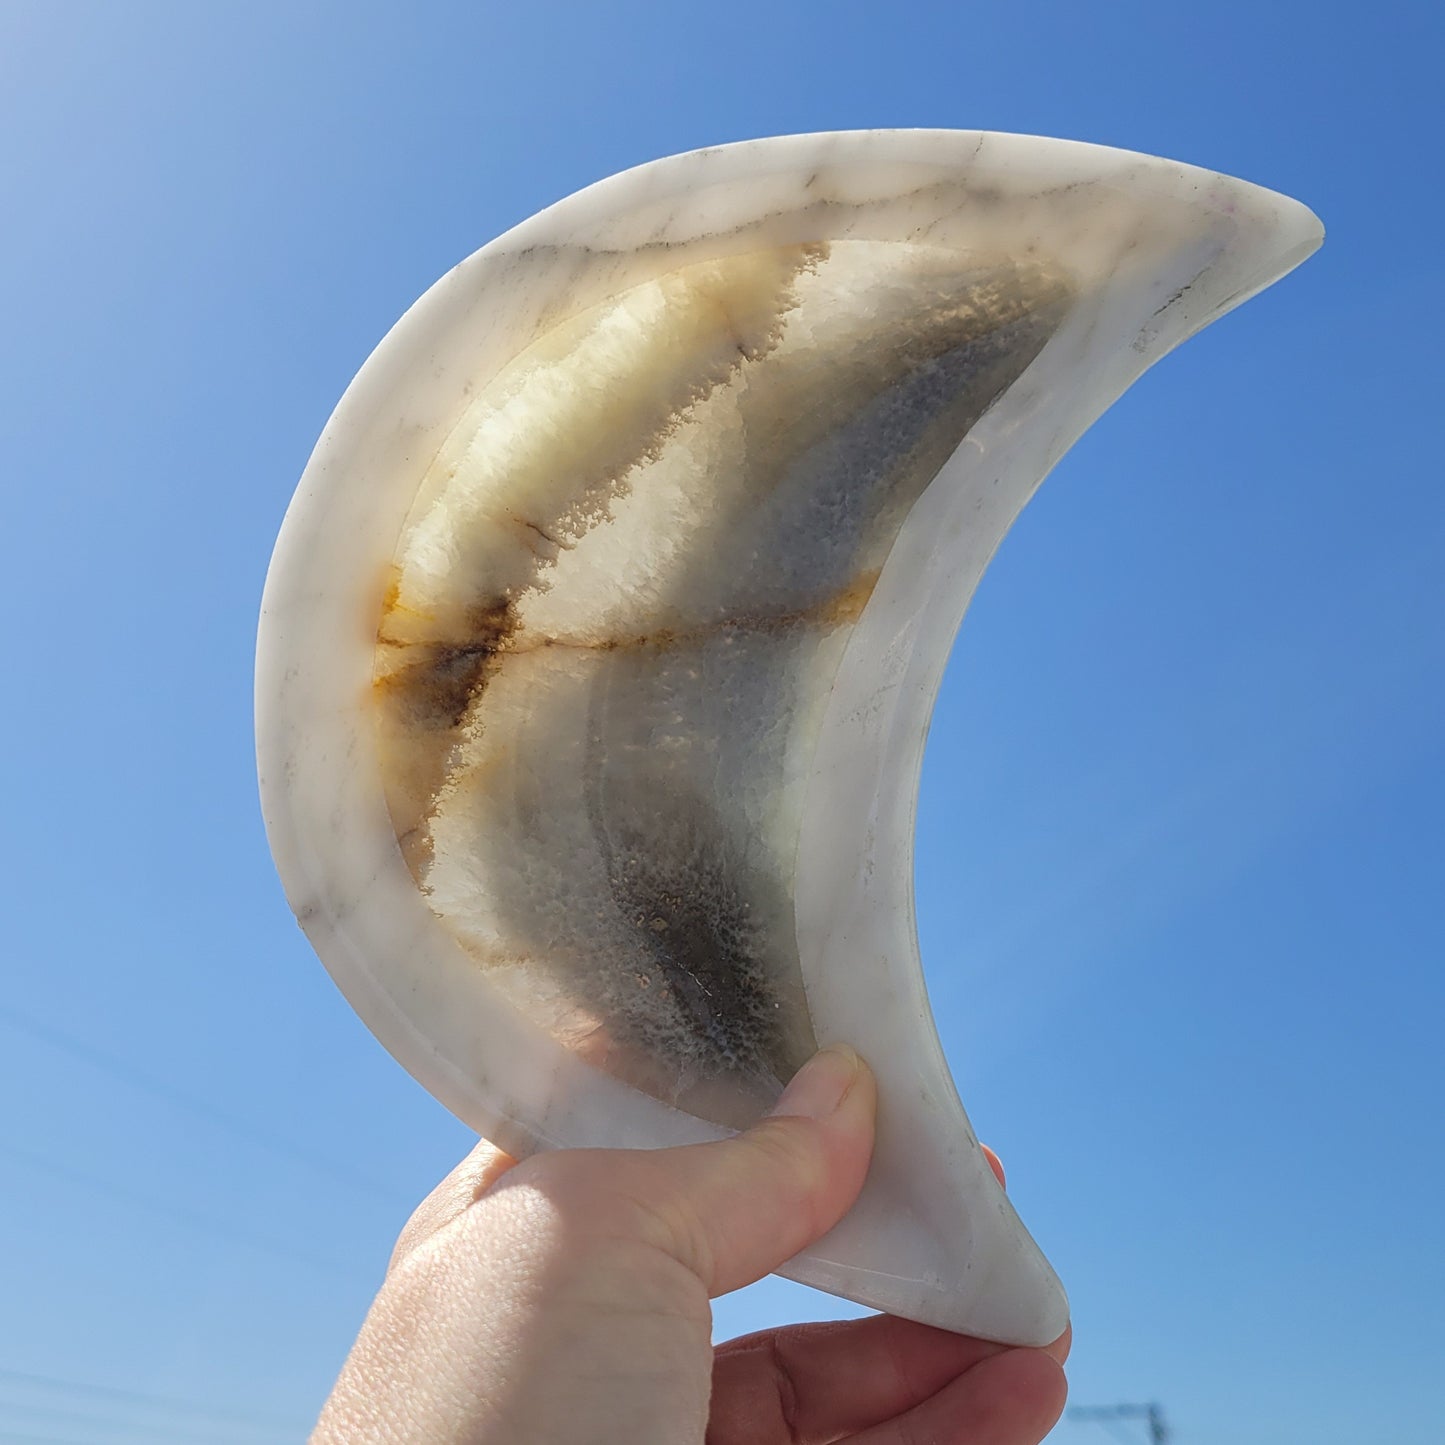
601	638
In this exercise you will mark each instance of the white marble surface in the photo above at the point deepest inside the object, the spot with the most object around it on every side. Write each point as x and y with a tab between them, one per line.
1149	252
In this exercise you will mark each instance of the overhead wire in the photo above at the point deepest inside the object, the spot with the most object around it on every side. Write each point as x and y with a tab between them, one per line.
211	1421
205	1223
160	1088
7	1438
185	1415
151	1429
138	1397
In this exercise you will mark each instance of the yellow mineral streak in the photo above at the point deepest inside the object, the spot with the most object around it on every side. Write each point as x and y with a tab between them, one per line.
538	457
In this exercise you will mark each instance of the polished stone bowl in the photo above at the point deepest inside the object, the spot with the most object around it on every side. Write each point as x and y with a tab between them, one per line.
601	638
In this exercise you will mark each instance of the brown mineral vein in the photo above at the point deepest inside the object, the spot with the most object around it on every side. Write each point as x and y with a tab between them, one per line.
495	639
423	691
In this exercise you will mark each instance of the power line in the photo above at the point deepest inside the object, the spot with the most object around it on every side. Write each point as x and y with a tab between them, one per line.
149	1422
206	1223
59	1385
162	1089
148	1427
8	1439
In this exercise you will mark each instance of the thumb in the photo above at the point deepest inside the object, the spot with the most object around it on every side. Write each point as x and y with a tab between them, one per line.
734	1210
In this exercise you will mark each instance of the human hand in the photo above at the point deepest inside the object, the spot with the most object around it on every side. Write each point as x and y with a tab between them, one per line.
565	1301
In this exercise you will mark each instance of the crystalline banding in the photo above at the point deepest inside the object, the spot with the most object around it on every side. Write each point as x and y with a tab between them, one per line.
616	614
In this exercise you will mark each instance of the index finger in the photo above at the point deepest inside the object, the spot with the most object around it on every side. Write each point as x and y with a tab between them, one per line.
809	1384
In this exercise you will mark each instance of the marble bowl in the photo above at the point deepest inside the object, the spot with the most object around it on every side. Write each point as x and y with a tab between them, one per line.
600	641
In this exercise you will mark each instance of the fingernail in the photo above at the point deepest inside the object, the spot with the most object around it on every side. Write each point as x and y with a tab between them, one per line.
820	1085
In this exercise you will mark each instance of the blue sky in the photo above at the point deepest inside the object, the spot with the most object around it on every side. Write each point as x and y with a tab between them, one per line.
1180	850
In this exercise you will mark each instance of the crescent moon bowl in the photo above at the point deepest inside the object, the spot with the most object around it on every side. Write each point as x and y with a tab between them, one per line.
600	641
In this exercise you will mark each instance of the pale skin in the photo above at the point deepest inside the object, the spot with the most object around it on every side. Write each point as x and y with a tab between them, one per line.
565	1301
